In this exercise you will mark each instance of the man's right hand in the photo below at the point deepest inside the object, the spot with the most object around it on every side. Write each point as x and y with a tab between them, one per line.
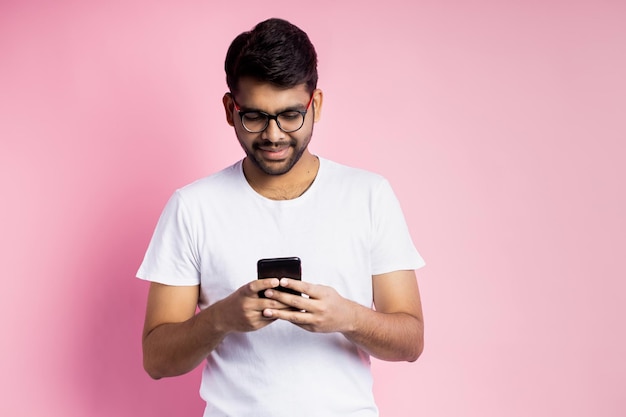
242	311
176	339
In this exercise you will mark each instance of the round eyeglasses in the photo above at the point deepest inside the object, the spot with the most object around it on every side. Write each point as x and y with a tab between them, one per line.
256	121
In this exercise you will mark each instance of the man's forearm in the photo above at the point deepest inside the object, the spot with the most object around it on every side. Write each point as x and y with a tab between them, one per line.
387	336
172	349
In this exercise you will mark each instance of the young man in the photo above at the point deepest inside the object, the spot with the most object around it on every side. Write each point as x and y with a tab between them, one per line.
282	354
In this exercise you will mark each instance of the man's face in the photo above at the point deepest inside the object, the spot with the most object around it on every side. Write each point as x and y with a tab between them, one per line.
273	151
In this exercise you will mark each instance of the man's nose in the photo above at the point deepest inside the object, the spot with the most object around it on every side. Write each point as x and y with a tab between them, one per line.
272	132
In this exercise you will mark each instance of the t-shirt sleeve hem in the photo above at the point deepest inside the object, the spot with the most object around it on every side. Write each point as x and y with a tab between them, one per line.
385	269
167	280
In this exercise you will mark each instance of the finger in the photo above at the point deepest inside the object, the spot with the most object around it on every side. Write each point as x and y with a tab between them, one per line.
298	285
270	314
263	284
295	317
272	304
294	302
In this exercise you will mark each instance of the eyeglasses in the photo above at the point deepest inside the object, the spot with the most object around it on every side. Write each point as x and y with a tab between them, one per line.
255	121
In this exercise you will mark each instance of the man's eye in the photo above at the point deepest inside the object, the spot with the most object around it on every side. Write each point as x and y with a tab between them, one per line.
290	115
253	116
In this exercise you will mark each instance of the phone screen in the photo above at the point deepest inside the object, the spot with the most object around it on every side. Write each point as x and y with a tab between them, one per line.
280	268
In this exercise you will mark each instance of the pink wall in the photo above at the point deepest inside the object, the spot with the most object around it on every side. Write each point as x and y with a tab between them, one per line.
500	125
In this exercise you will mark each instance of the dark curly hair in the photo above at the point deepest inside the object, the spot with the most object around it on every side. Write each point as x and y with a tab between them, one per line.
275	51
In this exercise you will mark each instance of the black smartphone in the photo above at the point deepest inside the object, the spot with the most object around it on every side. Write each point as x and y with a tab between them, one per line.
279	268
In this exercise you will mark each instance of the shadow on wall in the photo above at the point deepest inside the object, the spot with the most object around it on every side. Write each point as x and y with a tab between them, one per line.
129	189
108	371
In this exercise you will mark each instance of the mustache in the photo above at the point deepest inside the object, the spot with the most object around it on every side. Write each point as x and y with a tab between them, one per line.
270	144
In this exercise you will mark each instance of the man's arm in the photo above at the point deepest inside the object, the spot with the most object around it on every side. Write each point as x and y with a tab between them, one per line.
395	330
392	332
176	340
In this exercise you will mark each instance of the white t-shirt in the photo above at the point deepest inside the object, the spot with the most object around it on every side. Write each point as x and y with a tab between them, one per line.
345	228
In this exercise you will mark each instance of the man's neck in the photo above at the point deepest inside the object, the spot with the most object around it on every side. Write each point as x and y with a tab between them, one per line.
287	186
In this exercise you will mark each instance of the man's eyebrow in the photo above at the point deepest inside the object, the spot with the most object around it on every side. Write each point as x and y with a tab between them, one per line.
297	107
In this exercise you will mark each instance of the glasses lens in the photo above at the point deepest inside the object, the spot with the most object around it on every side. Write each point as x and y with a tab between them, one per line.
254	122
290	121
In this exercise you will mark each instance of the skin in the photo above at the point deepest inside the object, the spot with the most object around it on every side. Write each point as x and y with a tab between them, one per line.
279	165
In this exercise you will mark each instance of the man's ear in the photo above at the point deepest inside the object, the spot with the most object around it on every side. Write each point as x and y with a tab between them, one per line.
229	108
318	97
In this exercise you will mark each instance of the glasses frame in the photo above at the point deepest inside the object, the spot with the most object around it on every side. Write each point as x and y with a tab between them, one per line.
269	117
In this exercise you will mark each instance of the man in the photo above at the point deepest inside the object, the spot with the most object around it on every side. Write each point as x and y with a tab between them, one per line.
282	354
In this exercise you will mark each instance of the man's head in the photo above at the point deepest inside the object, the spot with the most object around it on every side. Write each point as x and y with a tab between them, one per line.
276	52
273	100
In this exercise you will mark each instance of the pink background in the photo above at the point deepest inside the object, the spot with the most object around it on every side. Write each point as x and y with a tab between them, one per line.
500	124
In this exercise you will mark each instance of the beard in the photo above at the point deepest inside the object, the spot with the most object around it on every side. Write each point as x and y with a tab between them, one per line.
278	167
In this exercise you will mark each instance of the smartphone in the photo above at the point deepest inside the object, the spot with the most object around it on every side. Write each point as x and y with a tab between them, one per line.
279	268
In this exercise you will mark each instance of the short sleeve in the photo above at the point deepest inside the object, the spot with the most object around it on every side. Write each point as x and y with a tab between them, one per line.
172	255
392	246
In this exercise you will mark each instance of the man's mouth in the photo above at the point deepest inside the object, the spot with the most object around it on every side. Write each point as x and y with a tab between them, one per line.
275	151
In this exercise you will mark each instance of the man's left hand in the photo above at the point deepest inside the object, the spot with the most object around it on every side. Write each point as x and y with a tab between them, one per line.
321	310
